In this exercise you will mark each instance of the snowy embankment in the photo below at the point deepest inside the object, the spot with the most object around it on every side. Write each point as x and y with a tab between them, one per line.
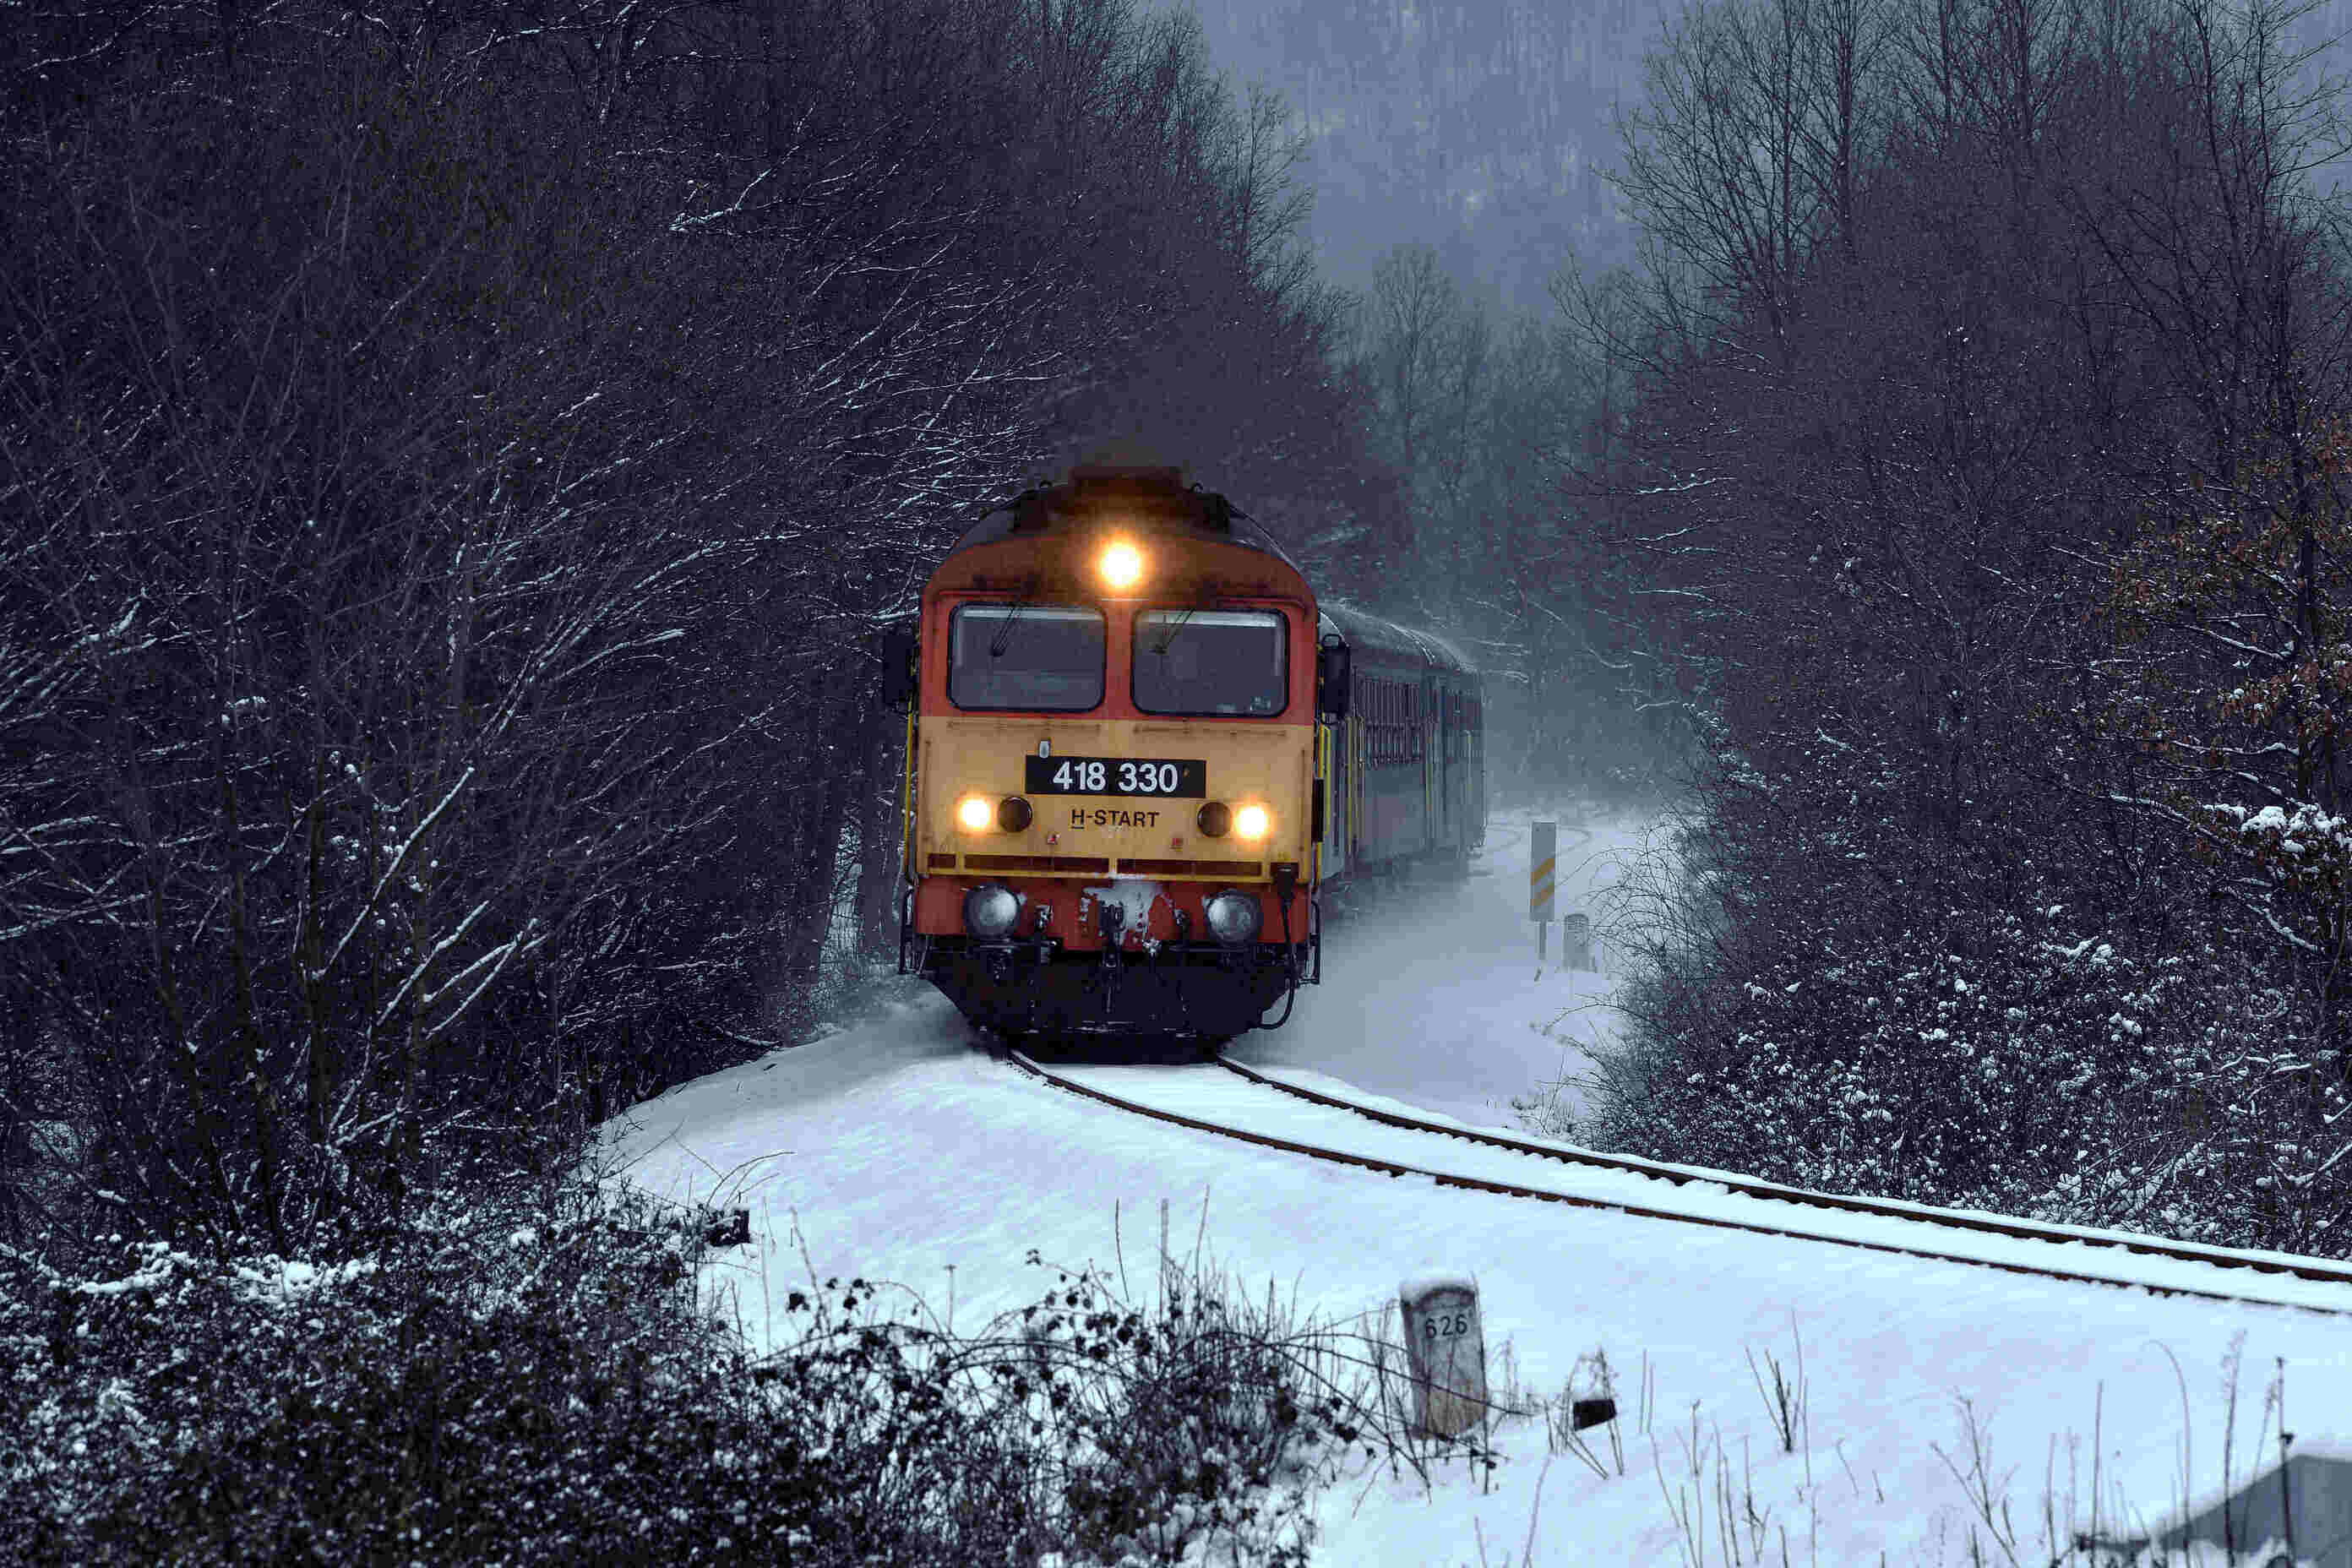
896	1150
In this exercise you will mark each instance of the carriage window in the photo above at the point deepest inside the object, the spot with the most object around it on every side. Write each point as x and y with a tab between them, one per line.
1040	657
1210	661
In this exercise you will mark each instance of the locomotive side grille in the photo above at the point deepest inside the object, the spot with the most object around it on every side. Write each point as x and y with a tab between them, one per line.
940	862
1086	863
1193	868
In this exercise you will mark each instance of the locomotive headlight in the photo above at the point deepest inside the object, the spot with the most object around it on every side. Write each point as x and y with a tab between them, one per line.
1216	820
1012	814
1252	822
1122	566
975	814
1233	917
991	909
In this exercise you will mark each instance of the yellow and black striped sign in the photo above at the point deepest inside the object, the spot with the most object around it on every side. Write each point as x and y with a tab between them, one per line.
1543	849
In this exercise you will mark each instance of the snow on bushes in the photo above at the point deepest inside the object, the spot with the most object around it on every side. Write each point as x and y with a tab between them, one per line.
1859	1009
510	1385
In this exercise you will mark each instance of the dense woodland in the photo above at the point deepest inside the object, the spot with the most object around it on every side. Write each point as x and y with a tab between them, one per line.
455	458
1987	452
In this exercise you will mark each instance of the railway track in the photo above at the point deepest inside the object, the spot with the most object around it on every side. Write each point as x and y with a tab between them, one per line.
1489	1162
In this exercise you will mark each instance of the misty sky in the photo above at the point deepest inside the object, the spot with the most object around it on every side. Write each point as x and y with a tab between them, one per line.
1481	127
1484	127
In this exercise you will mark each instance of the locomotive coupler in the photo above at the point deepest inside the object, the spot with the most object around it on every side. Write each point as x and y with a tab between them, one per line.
1172	984
1113	922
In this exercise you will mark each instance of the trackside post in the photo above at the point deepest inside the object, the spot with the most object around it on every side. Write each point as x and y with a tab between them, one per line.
1543	851
1445	1352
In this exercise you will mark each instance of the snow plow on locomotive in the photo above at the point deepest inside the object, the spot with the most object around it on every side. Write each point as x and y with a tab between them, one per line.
1133	764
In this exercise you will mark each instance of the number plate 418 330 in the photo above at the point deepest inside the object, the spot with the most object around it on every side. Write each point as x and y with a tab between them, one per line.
1174	779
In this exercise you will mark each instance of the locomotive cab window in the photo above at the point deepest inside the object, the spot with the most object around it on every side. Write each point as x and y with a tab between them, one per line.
1203	662
1039	658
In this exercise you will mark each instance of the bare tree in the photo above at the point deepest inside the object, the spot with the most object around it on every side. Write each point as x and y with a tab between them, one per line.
2060	357
1746	157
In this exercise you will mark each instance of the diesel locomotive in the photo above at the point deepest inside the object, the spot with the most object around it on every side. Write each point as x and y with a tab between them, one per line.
1138	753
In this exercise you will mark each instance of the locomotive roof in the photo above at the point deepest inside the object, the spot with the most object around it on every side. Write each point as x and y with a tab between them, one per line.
1152	498
1157	498
1365	630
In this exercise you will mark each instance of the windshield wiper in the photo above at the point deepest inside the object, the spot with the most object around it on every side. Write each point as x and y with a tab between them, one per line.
1163	646
1004	638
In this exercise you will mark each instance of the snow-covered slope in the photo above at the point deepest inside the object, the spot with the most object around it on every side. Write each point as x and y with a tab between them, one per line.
902	1153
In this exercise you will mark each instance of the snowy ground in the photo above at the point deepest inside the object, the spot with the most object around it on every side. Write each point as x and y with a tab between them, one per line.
1436	999
899	1152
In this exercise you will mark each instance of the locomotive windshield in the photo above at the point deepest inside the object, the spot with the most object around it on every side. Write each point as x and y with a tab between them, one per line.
1210	661
1033	657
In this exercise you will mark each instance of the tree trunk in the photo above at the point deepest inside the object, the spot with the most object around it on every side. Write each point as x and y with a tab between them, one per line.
805	917
879	846
20	1035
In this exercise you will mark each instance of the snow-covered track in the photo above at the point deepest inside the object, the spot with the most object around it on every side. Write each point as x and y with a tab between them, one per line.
1957	1219
1648	1190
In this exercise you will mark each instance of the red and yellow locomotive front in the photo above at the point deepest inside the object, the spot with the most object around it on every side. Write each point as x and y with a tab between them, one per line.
1113	824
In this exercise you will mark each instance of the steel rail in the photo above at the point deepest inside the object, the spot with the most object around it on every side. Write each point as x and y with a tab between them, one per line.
1748	1186
1023	1063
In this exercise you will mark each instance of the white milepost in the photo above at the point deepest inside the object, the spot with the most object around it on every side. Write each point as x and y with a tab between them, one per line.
1445	1350
1575	942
